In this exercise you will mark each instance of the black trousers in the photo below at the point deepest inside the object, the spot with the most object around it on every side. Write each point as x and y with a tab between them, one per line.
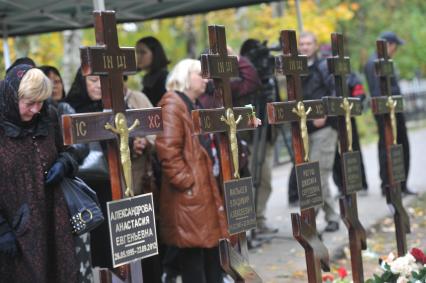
337	167
402	139
200	265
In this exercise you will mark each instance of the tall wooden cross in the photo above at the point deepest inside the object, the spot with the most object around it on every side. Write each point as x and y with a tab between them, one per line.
297	111
387	105
343	108
110	62
239	196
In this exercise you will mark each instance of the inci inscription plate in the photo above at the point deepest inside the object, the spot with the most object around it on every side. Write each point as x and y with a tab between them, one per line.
352	171
397	161
333	107
288	65
384	68
132	229
239	202
215	66
309	185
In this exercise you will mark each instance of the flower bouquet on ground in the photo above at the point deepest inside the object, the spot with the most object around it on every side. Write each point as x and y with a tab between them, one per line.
341	278
410	268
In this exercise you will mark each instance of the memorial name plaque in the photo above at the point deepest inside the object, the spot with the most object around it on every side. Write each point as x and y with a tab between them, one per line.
352	171
132	229
397	161
240	206
309	185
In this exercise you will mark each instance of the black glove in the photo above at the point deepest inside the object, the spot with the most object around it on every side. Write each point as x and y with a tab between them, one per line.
55	174
8	244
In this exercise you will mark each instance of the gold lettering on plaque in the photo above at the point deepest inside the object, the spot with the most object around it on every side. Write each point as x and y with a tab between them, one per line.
347	107
303	115
122	130
154	121
81	128
391	104
207	122
108	63
220	67
121	61
232	133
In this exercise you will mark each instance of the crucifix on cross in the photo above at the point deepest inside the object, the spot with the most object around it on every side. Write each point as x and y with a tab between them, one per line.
114	126
298	111
388	105
344	108
241	216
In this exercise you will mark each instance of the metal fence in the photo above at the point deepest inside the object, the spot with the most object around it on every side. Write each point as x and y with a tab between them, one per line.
414	93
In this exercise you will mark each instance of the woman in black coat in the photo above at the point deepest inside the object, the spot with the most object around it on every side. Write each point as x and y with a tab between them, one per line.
152	59
36	242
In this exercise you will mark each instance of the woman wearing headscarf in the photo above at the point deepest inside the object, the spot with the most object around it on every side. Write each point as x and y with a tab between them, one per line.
192	216
36	241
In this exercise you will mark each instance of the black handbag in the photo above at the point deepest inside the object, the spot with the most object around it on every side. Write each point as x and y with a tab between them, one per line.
83	205
95	166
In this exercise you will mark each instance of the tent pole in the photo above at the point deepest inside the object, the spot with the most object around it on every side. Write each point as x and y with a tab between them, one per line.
99	5
299	17
6	53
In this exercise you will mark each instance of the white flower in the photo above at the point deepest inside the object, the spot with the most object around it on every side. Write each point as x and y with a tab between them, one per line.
404	265
402	280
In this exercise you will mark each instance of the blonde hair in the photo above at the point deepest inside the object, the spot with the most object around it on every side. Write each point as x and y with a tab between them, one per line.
178	79
35	86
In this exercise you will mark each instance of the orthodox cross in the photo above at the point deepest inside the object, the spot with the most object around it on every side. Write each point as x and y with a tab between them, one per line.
343	108
387	105
110	62
220	67
298	111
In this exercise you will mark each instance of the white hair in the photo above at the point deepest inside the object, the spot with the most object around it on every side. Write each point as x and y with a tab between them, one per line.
178	79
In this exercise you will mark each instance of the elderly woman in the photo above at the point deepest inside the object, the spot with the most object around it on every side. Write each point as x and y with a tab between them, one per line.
192	215
36	242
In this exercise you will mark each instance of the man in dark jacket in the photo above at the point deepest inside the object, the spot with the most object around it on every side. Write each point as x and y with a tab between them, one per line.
322	134
393	42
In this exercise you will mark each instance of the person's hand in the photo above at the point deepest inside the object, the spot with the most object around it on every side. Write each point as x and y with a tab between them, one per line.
319	122
257	122
139	145
55	174
8	244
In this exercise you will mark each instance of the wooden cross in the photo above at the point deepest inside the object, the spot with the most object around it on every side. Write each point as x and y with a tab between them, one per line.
217	65
110	62
293	66
387	105
343	108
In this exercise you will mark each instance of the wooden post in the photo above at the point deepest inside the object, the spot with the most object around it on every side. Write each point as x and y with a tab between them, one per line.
343	108
110	62
387	105
226	121
293	66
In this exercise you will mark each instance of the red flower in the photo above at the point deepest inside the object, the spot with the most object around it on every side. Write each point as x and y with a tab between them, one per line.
342	272
327	277
418	255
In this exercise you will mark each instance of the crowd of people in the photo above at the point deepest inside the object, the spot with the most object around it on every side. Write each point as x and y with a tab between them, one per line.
182	170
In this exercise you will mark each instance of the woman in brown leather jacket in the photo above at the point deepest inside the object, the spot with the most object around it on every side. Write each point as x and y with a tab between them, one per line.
192	215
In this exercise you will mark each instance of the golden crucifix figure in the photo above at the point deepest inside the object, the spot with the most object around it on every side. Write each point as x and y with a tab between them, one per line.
122	130
300	111
230	121
347	107
391	104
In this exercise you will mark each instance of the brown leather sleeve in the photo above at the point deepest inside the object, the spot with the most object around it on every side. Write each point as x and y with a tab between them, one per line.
170	144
